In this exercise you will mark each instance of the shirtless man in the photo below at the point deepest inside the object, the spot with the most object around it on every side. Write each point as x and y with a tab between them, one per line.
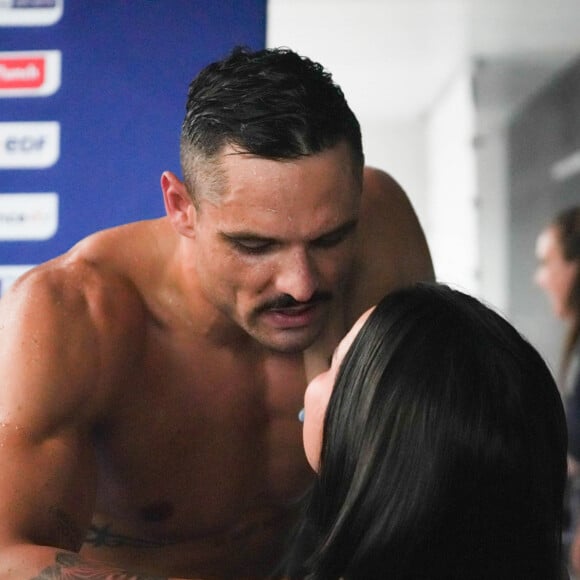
152	375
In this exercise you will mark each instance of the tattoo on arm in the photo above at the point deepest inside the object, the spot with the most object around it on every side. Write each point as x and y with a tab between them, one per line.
72	567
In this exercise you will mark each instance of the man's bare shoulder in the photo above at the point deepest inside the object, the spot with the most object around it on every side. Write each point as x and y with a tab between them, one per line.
386	205
72	285
393	250
99	272
382	186
120	247
84	313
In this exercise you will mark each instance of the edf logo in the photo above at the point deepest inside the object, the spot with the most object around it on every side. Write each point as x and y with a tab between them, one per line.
26	143
29	145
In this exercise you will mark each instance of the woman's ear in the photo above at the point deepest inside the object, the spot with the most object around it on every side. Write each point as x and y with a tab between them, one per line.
178	204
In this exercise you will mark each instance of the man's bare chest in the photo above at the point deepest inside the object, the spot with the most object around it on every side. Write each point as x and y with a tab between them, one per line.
201	438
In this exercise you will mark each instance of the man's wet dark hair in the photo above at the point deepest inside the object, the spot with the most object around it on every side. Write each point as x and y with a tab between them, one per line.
271	103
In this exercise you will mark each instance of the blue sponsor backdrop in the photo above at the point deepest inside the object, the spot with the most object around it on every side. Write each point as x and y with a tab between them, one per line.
126	67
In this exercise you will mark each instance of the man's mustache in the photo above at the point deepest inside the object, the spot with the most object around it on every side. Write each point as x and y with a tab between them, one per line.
286	301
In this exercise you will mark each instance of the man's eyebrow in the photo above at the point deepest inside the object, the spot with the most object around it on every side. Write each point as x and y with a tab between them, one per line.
248	236
343	229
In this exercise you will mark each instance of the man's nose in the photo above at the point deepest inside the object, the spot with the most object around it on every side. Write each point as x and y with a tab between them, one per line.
297	276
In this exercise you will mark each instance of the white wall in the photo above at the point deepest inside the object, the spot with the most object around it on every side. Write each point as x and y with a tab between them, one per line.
493	215
452	186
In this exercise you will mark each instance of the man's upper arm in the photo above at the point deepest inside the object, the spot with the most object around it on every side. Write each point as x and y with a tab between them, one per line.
50	370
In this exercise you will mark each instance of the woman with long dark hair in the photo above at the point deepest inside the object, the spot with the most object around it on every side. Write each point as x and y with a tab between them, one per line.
558	274
439	439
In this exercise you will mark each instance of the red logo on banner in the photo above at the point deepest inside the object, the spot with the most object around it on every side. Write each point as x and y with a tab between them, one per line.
22	73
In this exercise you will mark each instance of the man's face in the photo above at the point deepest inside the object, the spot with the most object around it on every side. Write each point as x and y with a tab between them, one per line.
277	248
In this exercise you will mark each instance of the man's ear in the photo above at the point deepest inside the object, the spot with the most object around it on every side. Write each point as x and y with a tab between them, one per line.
178	204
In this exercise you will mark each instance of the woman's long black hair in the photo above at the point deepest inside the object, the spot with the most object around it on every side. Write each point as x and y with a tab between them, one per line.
444	449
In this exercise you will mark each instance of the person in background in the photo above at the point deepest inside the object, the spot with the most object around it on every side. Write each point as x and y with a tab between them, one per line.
151	376
439	440
558	274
